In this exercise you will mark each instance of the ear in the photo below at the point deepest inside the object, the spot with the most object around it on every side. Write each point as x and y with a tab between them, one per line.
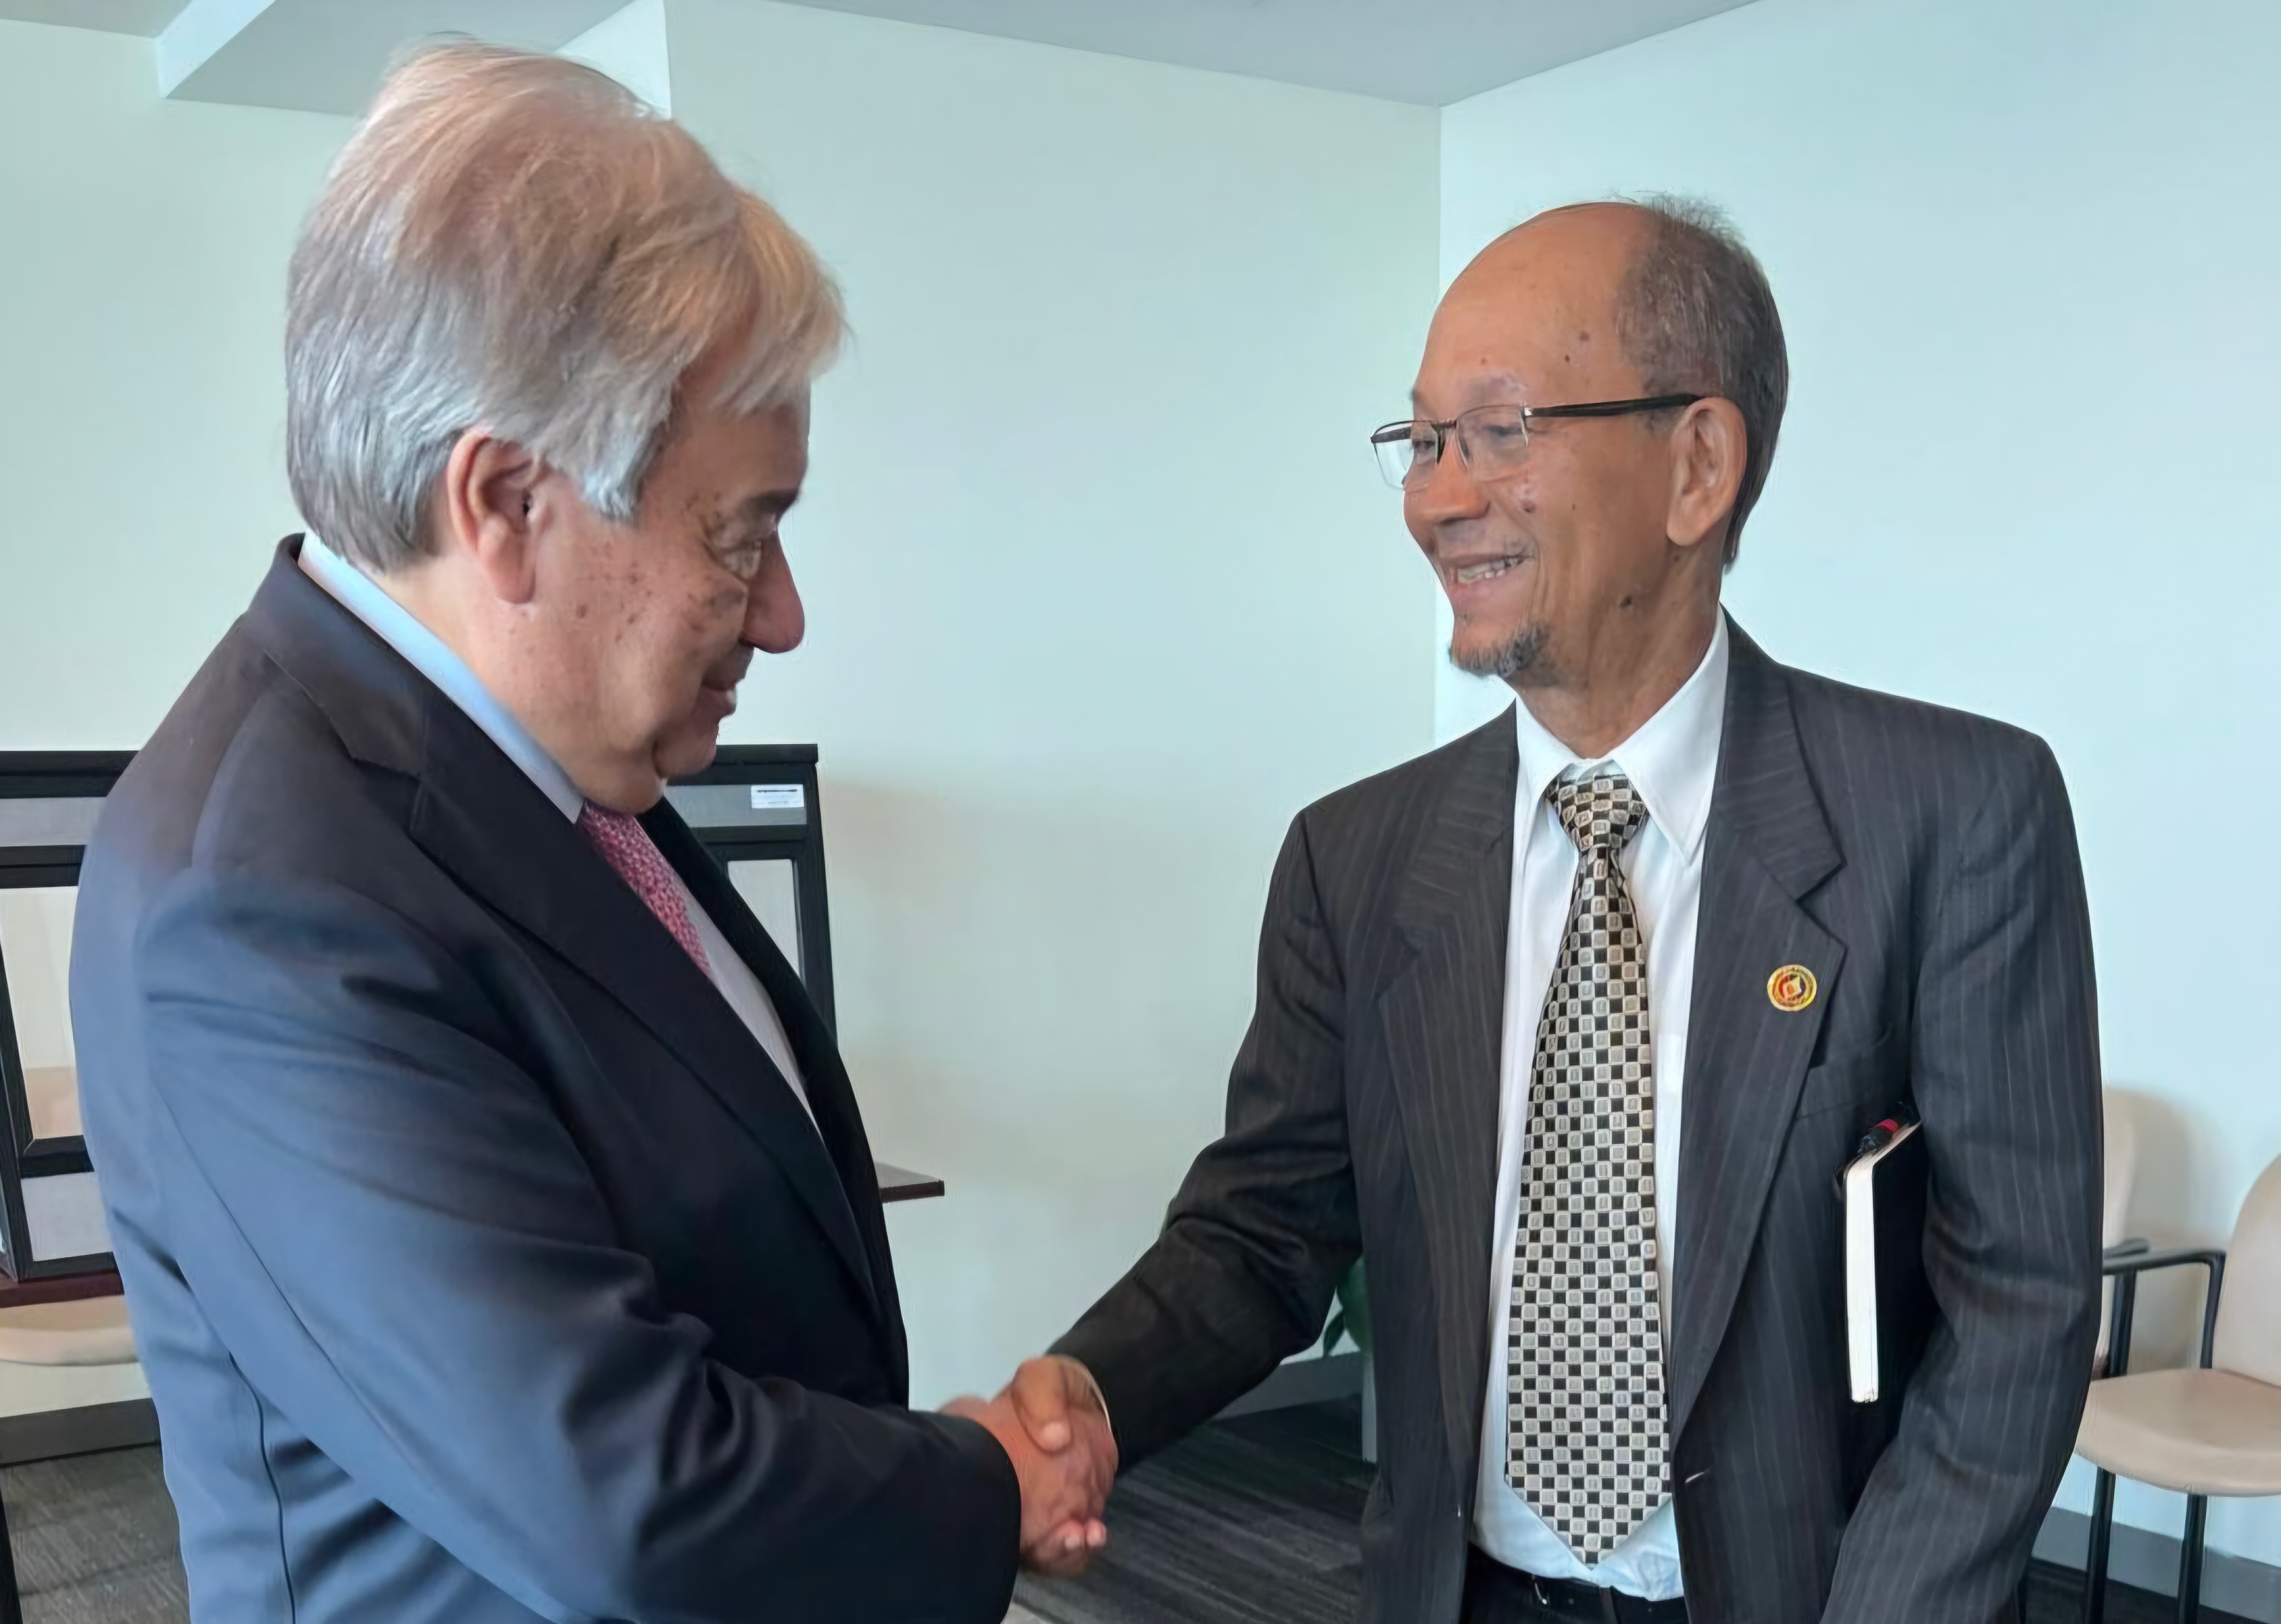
1708	449
490	497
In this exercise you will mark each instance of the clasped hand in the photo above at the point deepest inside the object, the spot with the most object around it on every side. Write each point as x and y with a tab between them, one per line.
1050	1422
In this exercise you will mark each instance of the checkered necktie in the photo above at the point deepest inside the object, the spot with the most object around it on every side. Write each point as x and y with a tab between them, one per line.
1587	1445
626	845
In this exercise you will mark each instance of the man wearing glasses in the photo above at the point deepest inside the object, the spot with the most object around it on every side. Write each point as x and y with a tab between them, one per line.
1570	1026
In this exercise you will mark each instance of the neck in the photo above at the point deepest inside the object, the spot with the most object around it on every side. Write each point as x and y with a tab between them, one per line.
485	633
1612	691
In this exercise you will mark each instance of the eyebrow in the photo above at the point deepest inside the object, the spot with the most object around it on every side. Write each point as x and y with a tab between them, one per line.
765	508
767	505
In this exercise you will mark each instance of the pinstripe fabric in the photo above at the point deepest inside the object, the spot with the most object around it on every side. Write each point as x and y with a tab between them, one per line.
1922	864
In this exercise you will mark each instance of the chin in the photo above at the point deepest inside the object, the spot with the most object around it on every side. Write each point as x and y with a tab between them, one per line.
679	755
1504	652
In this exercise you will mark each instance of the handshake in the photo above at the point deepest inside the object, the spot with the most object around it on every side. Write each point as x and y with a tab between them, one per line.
1052	1424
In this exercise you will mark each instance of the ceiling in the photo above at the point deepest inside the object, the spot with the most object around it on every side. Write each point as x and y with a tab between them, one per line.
110	16
325	55
1429	51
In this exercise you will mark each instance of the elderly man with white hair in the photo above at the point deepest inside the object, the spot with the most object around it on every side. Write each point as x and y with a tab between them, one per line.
495	1212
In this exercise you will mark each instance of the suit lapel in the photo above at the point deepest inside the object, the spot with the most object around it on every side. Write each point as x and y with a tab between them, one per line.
831	1097
538	870
476	814
1767	846
1444	1015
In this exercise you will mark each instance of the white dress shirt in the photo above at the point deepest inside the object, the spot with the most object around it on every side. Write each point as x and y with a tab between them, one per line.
397	627
1671	761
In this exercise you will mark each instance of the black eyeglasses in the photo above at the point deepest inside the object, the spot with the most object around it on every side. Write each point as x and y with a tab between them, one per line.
1490	438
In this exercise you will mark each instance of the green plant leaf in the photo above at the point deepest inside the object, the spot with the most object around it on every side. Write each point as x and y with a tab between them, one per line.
1350	1316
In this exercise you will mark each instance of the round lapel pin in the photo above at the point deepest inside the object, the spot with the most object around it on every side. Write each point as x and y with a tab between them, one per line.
1790	988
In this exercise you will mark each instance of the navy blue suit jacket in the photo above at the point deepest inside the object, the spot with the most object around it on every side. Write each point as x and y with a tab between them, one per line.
483	1265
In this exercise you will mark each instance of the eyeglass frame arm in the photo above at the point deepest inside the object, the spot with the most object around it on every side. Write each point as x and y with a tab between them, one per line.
2124	1263
1384	435
1613	408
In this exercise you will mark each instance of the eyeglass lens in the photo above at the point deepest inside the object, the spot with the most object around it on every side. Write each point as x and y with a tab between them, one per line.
1490	439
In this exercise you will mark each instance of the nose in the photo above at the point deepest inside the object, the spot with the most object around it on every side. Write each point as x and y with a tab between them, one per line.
775	620
1448	492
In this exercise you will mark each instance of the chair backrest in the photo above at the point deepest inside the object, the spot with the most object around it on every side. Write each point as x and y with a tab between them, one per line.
2122	1165
2249	1312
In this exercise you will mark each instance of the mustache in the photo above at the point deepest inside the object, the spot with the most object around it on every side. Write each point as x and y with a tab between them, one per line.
731	670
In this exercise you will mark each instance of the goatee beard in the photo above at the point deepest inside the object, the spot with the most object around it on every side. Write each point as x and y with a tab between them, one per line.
1505	660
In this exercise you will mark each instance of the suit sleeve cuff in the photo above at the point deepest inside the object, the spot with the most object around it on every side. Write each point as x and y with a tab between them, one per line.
989	1458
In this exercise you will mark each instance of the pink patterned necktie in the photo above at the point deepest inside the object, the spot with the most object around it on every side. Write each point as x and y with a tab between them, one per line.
640	865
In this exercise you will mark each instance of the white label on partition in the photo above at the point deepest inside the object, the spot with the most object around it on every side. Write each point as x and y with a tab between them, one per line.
778	797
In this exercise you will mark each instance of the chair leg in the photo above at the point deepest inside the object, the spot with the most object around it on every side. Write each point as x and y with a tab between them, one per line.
11	1604
2190	1561
2094	1568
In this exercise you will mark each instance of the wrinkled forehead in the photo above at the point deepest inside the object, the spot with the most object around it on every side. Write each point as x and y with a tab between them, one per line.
1533	318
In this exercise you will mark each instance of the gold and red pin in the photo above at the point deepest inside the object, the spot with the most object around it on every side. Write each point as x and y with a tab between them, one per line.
1790	988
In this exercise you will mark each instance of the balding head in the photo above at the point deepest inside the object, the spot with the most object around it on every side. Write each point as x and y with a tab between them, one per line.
1664	290
1581	526
1541	301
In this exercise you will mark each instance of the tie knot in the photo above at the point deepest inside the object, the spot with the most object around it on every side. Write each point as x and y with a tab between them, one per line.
603	826
1602	811
628	848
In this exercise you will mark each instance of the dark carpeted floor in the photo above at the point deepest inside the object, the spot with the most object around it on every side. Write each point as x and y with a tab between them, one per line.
1250	1521
94	1538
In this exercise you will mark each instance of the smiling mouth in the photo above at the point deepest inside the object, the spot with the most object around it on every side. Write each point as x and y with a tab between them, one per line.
1488	570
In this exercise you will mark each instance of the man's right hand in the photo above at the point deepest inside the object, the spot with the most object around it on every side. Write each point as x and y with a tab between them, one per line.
1053	1427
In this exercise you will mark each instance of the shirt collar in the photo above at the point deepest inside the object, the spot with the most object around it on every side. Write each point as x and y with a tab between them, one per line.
1672	760
397	627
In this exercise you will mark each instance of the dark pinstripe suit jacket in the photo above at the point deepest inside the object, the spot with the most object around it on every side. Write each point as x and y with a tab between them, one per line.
1922	864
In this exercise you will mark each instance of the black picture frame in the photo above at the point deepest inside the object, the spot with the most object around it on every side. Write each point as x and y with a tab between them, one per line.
48	802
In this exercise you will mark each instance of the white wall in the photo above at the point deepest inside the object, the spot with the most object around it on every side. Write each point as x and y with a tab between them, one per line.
2027	262
1103	587
630	45
143	250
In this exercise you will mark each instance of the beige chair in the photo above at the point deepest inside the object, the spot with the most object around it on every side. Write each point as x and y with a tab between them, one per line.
2212	1430
88	1331
2122	1175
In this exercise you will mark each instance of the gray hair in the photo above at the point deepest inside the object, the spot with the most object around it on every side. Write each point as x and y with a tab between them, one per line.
1695	315
516	242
